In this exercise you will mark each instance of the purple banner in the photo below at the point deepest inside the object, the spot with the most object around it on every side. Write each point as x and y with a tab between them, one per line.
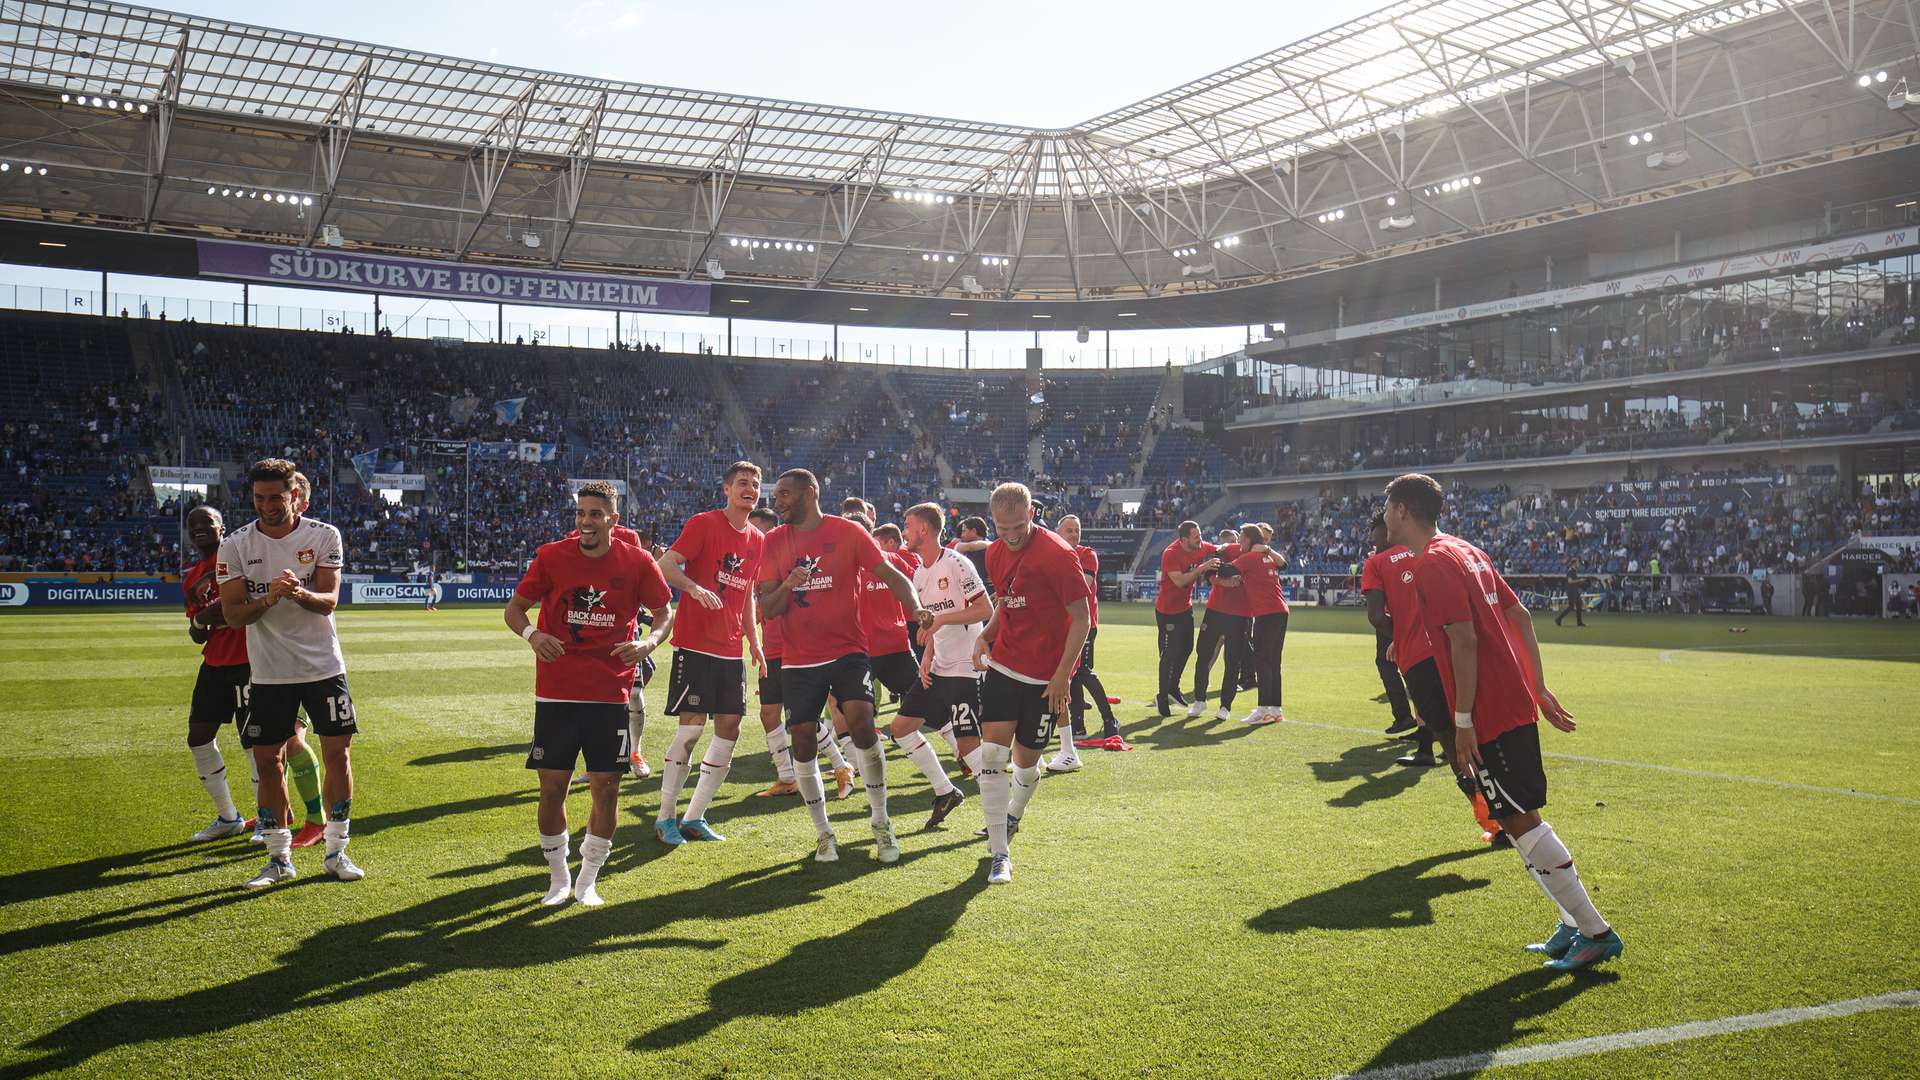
323	268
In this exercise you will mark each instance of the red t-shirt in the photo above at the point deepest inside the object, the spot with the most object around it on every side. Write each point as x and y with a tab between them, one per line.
591	605
226	646
1260	583
1174	599
1090	562
822	620
1228	595
1390	572
725	560
1032	588
772	645
881	617
1456	582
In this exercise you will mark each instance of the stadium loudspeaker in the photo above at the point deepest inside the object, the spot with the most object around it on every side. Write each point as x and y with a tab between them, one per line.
1033	359
1082	335
715	270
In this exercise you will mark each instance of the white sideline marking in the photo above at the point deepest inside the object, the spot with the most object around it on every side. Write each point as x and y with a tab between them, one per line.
1667	655
1631	1040
1675	769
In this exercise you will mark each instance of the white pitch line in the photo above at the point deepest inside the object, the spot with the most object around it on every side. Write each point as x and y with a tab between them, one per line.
1633	1040
1667	655
1675	769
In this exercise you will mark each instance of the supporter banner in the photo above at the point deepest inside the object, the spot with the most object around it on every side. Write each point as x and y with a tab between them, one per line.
402	481
619	486
1689	483
1892	545
448	280
15	594
176	475
1733	267
516	451
446	447
1624	512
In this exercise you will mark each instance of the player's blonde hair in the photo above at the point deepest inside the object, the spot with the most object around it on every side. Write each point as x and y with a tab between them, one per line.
930	513
1011	496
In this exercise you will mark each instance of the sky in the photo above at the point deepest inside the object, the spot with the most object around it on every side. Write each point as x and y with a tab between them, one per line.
1025	63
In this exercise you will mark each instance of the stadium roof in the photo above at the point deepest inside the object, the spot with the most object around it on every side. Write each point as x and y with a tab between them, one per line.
1471	116
1397	65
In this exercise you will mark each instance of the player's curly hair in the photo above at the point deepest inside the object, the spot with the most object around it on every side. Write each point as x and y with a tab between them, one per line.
600	489
270	470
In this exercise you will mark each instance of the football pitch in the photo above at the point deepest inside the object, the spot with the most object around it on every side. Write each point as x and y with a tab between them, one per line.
1223	901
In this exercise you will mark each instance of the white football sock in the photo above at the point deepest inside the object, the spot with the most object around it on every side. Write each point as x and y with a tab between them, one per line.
253	774
953	741
825	740
806	776
213	777
715	764
279	844
336	832
995	760
873	773
781	751
849	753
636	720
972	758
1068	751
559	881
1553	865
674	769
1025	780
593	855
927	760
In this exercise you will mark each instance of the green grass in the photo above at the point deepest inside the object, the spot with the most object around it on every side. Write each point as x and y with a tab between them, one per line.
1222	902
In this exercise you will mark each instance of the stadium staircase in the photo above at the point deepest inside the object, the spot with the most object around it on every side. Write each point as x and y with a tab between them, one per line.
905	414
160	377
735	415
1171	400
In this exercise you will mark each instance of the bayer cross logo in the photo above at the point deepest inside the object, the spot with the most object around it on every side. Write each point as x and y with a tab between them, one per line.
1406	577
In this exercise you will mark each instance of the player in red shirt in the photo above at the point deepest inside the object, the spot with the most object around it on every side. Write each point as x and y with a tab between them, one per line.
1225	631
220	694
1393	606
1038	628
1086	683
715	564
772	648
1496	687
590	590
1266	601
1373	574
810	579
1181	564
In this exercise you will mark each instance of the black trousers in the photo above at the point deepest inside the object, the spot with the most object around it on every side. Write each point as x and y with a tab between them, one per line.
1085	684
1269	641
1221	633
1390	677
1576	607
1176	644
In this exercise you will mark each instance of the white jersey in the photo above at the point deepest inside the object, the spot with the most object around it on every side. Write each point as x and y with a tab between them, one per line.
949	584
287	644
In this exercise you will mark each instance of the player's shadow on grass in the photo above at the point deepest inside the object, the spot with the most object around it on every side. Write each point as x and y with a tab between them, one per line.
827	970
1178	732
1467	1032
1389	899
1371	764
493	926
471	753
175	860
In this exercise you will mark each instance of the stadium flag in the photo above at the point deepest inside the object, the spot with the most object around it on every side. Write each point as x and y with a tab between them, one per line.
365	463
507	410
537	451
